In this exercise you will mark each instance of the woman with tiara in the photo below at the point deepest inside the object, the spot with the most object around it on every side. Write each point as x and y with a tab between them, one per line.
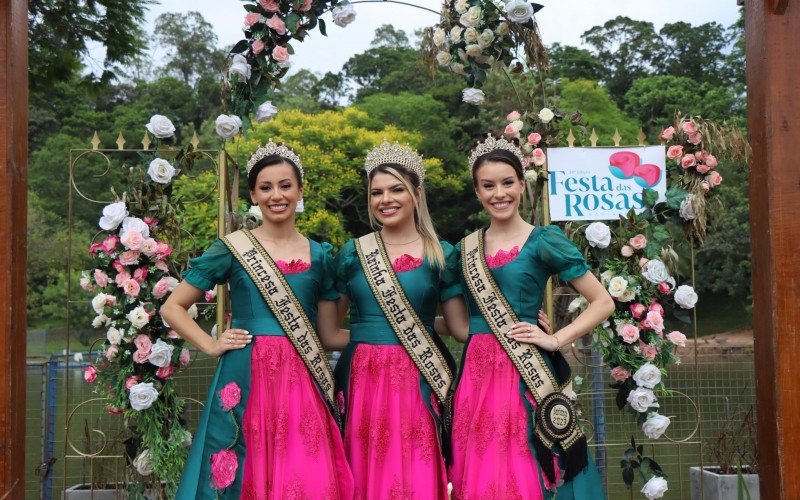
269	428
394	379
514	423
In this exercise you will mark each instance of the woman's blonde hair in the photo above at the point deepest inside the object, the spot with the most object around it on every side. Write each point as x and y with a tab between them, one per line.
431	248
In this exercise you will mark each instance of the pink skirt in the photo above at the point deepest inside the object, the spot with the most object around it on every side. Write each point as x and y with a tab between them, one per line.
491	456
294	449
390	436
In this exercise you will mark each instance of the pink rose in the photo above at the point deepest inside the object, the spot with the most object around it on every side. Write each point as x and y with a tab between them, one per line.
638	309
688	161
280	54
111	352
252	18
140	274
689	127
711	161
165	372
534	138
94	248
258	46
162	266
185	357
118	267
655	306
163	287
306	6
143	343
714	179
210	296
629	333
100	278
89	374
224	464
131	381
620	374
696	138
110	244
668	133
86	284
270	5
701	155
677	338
643	261
122	277
513	116
626	251
149	247
705	186
151	222
655	321
539	157
131	288
276	24
230	396
702	169
111	301
674	152
638	242
113	410
129	258
648	351
163	251
140	357
664	288
511	131
132	240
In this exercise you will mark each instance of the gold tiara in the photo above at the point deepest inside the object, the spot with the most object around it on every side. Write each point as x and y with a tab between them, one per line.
273	148
491	144
397	154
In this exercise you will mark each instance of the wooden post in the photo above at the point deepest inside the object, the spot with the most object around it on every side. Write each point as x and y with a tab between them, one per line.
13	242
773	92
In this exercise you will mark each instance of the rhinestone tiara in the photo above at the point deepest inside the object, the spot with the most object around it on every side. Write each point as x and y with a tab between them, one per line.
397	154
491	144
273	148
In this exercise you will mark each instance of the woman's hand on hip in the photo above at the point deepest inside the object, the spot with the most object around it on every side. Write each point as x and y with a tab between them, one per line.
231	339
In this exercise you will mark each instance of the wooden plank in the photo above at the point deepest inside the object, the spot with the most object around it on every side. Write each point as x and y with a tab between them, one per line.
13	215
773	64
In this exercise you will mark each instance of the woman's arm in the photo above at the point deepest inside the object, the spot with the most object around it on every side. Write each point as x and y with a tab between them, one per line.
333	338
601	306
175	312
456	319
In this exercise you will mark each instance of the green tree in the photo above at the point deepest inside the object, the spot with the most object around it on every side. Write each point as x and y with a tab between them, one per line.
387	35
299	91
696	52
191	45
574	63
599	112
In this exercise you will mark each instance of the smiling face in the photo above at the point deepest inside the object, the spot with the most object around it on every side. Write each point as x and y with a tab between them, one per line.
276	192
391	200
499	189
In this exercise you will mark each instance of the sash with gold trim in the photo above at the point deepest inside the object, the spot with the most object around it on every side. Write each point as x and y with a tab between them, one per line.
287	309
556	428
412	333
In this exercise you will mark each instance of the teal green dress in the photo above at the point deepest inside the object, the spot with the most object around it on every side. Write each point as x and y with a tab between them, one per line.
224	432
493	428
392	419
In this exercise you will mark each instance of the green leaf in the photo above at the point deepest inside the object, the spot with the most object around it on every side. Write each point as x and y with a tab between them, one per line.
627	475
240	47
322	28
682	315
292	21
675	196
650	197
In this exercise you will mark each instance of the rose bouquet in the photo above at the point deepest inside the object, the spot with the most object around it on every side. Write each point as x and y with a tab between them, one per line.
130	279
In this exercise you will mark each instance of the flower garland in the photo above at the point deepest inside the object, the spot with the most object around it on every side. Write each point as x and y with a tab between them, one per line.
130	280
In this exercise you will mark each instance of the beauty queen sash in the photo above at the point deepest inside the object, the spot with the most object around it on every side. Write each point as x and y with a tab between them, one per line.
287	309
404	320
555	417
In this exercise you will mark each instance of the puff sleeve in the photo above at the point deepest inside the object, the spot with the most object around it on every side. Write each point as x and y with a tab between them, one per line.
559	255
450	276
328	289
210	269
341	265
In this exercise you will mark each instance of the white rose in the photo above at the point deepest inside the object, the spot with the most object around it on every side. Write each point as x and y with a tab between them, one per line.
470	35
161	171
161	353
605	277
113	215
685	296
343	15
531	175
627	296
598	235
617	286
78	357
138	317
519	11
227	126
135	224
648	375
239	66
687	210
655	271
99	303
444	58
192	311
655	487
455	34
655	425
578	304
457	68
439	37
462	55
160	126
99	321
503	28
461	6
472	17
114	335
265	111
474	50
255	211
642	399
142	396
545	115
143	463
473	96
486	38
